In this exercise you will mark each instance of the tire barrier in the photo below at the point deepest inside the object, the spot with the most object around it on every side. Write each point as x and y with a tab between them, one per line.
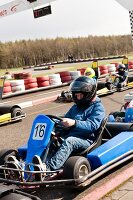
65	76
111	68
130	65
17	85
22	75
31	86
30	83
43	81
55	79
75	74
82	70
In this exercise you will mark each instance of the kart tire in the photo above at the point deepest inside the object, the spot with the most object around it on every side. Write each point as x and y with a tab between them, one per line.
16	112
4	153
76	167
100	85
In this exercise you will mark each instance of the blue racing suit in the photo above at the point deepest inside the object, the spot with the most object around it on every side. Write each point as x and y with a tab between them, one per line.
82	135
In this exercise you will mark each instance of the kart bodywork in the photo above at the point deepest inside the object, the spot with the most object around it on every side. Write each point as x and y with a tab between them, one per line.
9	113
110	149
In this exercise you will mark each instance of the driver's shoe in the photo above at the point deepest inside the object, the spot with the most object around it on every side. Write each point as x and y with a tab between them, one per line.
13	163
40	167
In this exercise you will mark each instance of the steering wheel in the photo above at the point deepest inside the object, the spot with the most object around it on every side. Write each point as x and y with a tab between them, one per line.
56	137
56	120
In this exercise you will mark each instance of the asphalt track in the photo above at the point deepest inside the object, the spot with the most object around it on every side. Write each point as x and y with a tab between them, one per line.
16	134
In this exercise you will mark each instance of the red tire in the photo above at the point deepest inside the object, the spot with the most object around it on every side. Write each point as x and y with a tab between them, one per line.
42	78
105	71
31	85
130	66
103	67
7	89
43	84
65	73
7	83
130	62
30	80
82	70
66	79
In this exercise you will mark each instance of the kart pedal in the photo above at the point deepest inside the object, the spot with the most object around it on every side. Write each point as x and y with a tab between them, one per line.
39	166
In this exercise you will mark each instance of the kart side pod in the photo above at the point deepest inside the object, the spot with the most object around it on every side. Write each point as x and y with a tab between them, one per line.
110	150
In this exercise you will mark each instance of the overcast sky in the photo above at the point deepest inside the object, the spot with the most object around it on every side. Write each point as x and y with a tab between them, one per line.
69	18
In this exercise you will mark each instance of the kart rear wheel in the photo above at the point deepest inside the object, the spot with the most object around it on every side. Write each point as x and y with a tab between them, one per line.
16	112
76	167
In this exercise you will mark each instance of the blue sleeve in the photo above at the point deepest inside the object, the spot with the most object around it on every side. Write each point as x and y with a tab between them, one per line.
93	121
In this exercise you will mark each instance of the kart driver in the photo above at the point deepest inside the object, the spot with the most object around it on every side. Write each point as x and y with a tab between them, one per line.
83	120
120	78
90	72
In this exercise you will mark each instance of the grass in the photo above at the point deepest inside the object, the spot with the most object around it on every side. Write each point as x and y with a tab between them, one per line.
68	67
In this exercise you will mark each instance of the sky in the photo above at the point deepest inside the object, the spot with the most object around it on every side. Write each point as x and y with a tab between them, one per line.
69	18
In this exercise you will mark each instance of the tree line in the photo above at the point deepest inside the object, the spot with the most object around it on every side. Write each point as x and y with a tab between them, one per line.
32	52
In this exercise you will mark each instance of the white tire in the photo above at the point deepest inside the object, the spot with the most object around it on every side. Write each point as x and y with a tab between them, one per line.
17	82
17	88
75	73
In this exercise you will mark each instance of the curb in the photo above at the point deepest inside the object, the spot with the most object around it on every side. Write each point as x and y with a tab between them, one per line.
110	185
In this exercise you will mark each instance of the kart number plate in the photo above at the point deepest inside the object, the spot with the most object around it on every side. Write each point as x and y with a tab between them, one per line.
39	131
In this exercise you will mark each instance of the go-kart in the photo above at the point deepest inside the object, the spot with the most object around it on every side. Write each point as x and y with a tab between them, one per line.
110	149
113	83
10	114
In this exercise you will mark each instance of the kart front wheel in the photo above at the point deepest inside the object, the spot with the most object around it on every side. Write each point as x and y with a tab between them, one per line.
3	157
76	167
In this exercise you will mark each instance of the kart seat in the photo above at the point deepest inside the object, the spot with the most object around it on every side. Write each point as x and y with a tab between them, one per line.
98	140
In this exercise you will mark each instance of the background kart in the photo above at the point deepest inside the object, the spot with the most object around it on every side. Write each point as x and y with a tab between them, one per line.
9	113
108	151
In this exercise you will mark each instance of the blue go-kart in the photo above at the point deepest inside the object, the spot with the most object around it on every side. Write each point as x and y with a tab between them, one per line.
108	151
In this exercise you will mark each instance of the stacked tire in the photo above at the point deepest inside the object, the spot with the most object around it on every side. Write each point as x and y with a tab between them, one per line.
82	70
17	85
43	81
75	74
65	76
116	64
7	88
111	68
130	65
30	83
103	69
55	79
22	75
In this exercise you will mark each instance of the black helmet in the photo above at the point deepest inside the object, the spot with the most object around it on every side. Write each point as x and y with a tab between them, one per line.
121	69
85	85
